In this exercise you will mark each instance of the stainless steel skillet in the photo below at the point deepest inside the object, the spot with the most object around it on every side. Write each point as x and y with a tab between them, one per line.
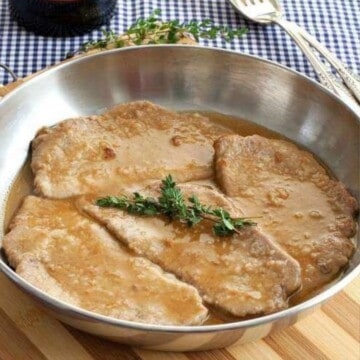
182	77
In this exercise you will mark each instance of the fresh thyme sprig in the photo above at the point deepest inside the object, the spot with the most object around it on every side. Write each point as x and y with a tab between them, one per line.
152	30
171	203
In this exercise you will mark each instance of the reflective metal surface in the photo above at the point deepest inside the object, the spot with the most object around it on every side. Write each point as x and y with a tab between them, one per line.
269	11
182	77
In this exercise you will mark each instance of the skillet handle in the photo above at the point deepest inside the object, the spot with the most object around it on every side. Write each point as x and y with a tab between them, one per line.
5	89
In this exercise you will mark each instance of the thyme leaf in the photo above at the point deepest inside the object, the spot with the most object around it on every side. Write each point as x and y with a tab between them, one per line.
171	203
153	30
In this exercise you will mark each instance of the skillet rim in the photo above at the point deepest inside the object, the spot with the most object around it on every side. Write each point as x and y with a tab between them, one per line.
83	314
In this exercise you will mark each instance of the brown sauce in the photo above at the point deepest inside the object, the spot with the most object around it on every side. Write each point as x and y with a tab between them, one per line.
23	185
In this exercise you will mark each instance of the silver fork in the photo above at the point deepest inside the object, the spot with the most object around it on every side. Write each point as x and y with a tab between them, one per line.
269	11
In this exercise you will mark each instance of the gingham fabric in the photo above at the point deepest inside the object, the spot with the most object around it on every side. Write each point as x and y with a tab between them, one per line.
336	23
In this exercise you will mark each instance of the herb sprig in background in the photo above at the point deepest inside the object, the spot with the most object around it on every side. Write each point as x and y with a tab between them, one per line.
152	30
171	203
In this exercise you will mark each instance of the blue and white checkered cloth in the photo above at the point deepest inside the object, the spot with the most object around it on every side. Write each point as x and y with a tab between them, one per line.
336	23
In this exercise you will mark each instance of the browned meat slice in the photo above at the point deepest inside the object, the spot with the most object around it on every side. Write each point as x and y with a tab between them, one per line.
74	259
244	274
131	143
309	214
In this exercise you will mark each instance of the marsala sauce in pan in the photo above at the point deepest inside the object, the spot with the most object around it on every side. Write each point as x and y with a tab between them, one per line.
23	185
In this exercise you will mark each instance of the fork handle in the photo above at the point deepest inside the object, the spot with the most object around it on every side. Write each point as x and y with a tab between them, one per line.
348	77
325	76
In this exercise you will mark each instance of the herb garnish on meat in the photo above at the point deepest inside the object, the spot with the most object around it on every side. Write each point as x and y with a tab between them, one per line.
171	203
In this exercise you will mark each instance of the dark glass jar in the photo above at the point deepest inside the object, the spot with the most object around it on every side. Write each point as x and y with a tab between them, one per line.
62	17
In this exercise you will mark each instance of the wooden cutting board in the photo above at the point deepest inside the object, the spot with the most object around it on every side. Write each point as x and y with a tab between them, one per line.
27	332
